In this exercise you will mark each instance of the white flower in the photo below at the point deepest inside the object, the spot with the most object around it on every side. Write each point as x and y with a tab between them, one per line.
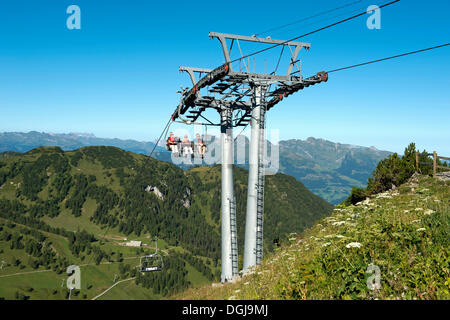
428	212
421	229
326	244
419	209
353	245
384	195
338	223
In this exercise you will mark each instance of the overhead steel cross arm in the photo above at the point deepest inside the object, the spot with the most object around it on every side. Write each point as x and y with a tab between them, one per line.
189	96
289	89
219	35
224	36
191	71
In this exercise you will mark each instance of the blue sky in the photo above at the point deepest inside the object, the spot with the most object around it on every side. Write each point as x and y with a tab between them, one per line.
118	75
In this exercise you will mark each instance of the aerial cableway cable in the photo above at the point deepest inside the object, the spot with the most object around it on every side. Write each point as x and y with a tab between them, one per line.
165	130
309	17
388	58
312	32
225	66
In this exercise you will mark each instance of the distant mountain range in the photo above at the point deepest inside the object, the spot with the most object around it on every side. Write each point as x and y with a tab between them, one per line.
329	169
326	168
23	142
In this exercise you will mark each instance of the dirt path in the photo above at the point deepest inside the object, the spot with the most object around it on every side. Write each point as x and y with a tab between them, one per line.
48	270
21	273
95	298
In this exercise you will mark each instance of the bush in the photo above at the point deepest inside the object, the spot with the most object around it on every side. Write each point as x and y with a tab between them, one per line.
390	172
357	195
28	289
20	296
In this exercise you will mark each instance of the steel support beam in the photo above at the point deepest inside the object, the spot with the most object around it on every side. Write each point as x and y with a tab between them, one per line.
227	193
191	72
252	193
267	40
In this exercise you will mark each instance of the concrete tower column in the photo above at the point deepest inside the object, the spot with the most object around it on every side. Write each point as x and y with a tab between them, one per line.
227	192
250	220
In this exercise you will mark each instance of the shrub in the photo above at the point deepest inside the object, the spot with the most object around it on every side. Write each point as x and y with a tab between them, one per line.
357	195
391	171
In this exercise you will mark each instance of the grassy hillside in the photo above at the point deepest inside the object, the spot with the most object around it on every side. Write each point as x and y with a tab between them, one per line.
59	208
403	232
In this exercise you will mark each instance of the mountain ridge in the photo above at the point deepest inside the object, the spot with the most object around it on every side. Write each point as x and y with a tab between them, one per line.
328	169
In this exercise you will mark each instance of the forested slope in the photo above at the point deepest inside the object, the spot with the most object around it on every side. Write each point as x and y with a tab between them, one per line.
89	200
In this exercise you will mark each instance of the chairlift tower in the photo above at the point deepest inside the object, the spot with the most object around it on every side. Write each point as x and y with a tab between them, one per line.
241	98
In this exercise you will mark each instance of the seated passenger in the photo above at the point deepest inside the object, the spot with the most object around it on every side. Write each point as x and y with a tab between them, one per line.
178	142
187	149
199	145
172	144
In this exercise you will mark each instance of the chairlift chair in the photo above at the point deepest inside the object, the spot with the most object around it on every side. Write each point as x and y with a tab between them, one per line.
151	262
181	146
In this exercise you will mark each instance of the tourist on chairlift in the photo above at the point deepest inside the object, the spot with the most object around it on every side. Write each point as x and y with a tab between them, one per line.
199	145
172	144
187	148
